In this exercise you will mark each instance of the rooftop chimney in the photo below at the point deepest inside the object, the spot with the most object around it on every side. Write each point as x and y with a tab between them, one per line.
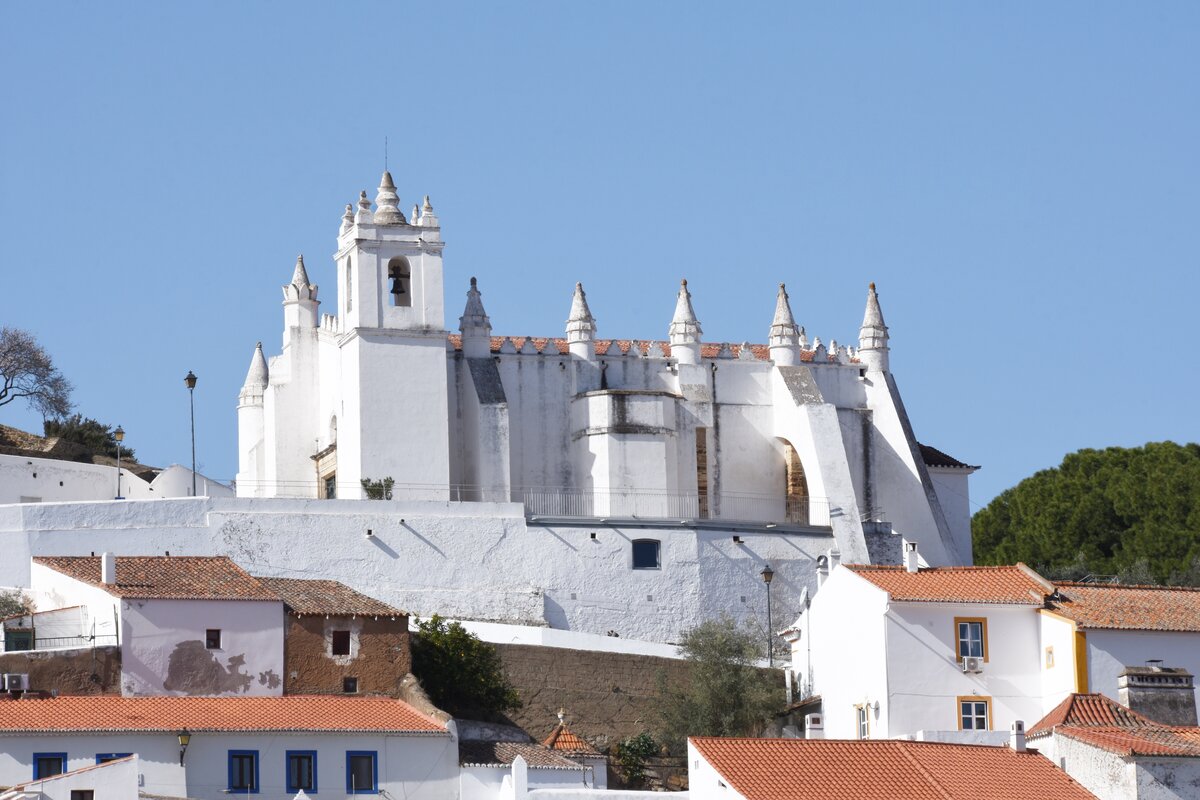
814	726
108	569
822	570
1016	736
910	557
1164	694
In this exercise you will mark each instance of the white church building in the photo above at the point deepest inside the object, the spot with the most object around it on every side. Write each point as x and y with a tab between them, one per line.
596	485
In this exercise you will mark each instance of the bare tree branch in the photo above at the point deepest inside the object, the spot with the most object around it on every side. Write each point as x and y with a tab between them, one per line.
28	372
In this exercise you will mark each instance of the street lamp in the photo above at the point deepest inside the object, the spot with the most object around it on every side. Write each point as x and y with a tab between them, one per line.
190	381
119	435
767	575
184	737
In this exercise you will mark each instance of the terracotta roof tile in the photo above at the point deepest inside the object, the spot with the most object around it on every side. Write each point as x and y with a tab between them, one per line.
558	346
1016	585
1102	722
166	577
562	740
304	596
831	769
1090	710
502	754
1145	608
300	713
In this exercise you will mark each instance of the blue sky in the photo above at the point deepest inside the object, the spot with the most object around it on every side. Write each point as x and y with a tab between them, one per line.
1021	180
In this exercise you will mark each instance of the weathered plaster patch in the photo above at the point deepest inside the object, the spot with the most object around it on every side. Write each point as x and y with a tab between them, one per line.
192	669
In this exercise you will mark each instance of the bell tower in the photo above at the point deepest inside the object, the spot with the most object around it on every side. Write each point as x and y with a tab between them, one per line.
394	415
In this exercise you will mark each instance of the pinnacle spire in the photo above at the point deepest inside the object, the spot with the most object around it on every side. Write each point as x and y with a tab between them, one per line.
300	288
300	276
684	323
428	218
475	326
257	375
347	219
784	338
873	335
388	202
581	325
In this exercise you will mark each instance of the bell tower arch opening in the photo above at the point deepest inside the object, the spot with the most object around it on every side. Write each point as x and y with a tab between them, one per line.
399	275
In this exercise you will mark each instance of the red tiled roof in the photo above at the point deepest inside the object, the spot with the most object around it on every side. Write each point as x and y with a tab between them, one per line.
166	577
1017	585
1102	722
1139	608
831	769
562	740
304	596
558	346
289	713
1090	710
502	754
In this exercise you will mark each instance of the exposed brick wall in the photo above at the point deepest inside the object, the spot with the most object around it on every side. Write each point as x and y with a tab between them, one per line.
379	658
607	696
68	671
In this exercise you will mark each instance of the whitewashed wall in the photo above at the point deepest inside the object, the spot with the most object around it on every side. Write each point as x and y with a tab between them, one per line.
415	767
1058	680
469	560
848	652
50	589
50	480
925	679
163	647
705	782
486	783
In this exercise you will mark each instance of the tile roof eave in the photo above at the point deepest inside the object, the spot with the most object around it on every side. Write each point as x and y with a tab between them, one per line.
198	729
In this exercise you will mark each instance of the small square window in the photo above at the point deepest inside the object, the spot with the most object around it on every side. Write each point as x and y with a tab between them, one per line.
646	554
341	643
83	794
212	639
350	685
974	714
47	765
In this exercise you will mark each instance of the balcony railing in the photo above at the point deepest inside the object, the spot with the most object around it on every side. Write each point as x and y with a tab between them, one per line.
18	643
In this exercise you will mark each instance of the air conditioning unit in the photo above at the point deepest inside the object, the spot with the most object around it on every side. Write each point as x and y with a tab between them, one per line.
16	682
972	664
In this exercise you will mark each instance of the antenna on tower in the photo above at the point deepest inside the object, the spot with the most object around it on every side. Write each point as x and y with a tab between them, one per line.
385	154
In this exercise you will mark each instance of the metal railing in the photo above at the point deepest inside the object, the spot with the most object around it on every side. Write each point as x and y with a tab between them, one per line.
62	642
633	504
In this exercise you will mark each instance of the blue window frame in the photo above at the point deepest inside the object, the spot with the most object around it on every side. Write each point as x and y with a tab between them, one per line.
362	772
104	758
243	771
47	765
301	770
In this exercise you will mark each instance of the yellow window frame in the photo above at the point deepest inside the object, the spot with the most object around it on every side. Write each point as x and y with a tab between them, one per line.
983	628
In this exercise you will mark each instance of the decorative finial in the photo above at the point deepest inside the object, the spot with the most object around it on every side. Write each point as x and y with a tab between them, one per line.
562	716
364	214
388	203
474	283
581	325
414	216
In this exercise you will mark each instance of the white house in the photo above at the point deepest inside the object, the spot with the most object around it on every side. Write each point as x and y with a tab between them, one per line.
486	769
798	769
960	653
211	747
1118	754
185	625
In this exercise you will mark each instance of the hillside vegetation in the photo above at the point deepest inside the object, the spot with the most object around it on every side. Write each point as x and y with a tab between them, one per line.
1133	513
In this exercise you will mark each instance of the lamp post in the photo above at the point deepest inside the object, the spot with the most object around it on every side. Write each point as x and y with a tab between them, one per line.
767	575
119	435
184	737
190	381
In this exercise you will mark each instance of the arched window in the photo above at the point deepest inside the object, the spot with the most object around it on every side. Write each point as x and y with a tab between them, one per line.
349	285
333	430
400	281
646	554
795	486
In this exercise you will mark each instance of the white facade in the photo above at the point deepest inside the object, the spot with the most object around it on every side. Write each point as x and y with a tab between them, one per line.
112	780
50	480
416	767
163	642
1113	776
787	434
896	661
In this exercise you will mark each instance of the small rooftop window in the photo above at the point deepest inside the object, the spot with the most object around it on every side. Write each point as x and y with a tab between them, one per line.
646	554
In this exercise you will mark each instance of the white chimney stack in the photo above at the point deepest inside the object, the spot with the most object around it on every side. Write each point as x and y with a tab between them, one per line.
1016	736
911	562
108	569
814	726
822	570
